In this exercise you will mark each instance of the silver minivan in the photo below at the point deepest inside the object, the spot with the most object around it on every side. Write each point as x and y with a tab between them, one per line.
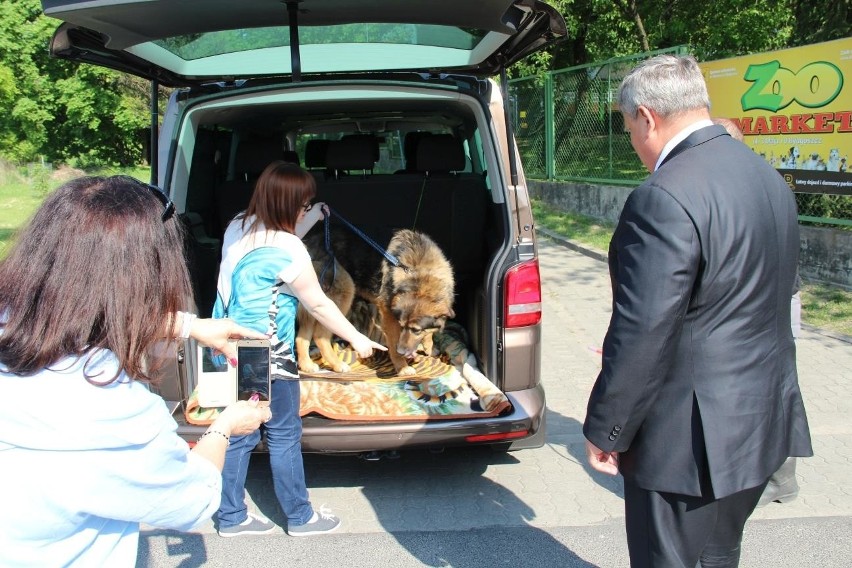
259	80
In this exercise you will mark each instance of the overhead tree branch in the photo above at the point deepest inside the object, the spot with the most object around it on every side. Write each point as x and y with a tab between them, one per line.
630	11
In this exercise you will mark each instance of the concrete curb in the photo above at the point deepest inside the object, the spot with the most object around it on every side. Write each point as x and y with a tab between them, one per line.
582	249
828	333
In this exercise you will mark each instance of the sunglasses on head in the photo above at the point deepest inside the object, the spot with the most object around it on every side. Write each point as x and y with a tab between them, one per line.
168	206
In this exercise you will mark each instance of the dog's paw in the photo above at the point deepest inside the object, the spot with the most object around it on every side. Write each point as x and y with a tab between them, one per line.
342	368
407	371
309	367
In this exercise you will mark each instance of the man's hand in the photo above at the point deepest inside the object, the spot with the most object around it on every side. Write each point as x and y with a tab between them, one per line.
604	462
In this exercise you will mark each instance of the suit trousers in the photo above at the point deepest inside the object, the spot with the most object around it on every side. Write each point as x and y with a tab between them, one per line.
667	530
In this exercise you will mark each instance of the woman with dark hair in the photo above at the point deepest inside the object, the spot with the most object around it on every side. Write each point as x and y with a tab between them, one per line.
93	286
265	272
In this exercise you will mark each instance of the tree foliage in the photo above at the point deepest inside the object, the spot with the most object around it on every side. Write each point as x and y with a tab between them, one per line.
603	29
61	112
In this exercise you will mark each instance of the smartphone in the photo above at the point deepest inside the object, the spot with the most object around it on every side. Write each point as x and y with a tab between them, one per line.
216	379
253	375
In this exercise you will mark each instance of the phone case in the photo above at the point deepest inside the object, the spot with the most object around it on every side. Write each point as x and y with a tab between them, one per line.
216	379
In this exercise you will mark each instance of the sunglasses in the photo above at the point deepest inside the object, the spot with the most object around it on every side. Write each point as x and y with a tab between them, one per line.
168	206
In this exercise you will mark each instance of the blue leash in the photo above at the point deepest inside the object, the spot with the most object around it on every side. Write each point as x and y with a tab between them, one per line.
330	260
388	256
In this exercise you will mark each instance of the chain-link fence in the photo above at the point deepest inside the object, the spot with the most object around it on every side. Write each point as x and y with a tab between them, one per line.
825	209
568	125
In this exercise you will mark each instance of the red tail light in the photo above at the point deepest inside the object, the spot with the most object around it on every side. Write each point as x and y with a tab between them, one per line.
523	295
497	437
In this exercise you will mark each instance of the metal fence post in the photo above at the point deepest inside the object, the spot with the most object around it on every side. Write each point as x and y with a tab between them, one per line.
549	128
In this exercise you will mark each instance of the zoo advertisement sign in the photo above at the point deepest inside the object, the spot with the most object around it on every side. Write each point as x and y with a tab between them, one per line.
794	107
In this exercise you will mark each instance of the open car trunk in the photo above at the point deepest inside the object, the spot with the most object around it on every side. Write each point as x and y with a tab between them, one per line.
454	195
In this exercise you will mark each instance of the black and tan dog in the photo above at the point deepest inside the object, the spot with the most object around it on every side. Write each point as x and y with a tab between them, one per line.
341	290
414	298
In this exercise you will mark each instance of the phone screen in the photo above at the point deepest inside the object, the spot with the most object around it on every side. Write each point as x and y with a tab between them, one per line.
252	372
213	362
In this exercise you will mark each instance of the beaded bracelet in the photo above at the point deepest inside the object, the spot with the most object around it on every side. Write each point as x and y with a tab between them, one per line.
186	324
227	438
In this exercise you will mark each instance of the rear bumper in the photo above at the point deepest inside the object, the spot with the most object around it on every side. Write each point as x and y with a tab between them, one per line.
524	422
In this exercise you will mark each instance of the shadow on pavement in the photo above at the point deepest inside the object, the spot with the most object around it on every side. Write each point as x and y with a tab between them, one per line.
439	506
566	434
186	549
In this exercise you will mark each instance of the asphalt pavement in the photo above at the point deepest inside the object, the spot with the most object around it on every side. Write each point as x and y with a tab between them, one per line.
542	507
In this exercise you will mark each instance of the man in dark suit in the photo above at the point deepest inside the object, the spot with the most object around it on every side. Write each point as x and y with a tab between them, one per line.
698	401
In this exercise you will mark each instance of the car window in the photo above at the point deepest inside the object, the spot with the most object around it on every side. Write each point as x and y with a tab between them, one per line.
391	147
364	47
197	46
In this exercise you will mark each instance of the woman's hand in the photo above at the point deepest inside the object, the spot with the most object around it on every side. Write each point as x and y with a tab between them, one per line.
238	419
364	346
215	333
241	418
307	220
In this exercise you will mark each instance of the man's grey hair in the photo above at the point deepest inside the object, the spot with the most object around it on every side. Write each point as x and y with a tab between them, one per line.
666	84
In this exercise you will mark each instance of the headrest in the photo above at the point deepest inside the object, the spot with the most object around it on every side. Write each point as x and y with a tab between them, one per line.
351	153
253	156
291	156
366	139
315	151
440	153
409	148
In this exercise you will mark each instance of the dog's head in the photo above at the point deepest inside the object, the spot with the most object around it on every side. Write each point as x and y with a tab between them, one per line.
834	154
419	317
794	152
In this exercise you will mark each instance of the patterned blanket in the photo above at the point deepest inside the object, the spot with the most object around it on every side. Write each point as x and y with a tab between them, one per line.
372	391
446	386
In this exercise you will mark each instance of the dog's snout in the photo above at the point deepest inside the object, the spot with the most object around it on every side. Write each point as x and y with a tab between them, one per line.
402	350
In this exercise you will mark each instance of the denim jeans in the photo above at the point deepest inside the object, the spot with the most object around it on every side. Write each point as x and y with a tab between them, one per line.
283	438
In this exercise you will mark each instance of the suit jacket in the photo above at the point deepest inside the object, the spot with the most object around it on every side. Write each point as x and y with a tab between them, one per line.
698	389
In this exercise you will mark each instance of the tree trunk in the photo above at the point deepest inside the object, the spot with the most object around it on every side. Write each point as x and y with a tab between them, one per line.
631	11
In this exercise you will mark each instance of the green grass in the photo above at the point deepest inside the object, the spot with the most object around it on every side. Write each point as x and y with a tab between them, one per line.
22	189
586	230
823	306
827	307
